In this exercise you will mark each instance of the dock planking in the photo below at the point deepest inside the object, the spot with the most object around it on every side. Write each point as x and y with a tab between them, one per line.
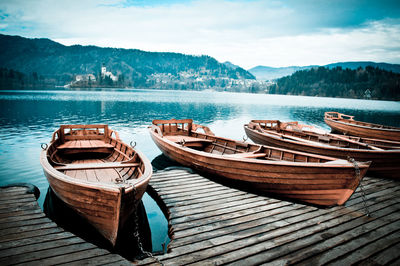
27	236
210	224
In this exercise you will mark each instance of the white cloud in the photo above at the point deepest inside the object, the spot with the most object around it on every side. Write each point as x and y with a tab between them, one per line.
247	33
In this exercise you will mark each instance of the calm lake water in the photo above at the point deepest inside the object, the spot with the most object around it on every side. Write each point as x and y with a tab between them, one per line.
28	118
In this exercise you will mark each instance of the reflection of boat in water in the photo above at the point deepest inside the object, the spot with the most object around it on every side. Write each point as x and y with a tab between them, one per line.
68	219
295	175
97	175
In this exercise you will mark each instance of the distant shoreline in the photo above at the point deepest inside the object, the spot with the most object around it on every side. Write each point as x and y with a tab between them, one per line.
61	88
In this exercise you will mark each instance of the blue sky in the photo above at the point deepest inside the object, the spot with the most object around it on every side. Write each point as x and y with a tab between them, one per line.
247	33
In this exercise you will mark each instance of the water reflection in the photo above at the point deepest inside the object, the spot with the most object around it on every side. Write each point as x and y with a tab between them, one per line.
28	118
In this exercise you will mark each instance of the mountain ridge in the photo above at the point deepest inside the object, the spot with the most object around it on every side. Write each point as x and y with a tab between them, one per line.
59	63
270	73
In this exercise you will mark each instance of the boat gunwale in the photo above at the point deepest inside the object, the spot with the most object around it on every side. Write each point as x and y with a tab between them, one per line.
112	187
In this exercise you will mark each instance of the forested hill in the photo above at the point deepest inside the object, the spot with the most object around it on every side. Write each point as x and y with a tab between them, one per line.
56	63
368	82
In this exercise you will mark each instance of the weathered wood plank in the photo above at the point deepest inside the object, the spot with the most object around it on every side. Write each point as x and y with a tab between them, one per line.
35	239
383	257
213	202
22	235
305	245
159	176
202	190
363	236
106	259
54	243
26	228
10	196
223	217
28	237
184	190
17	206
74	256
232	247
13	190
374	246
217	212
189	201
48	256
208	229
217	229
23	223
172	185
16	212
22	217
208	211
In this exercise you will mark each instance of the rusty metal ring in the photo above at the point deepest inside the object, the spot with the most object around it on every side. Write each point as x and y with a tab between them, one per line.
43	146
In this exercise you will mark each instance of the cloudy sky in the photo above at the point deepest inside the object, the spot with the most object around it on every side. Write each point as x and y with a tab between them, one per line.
247	33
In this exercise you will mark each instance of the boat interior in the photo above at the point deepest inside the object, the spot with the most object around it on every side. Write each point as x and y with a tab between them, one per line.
89	152
306	134
185	133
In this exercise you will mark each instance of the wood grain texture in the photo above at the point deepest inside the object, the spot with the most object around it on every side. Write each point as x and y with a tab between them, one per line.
99	176
291	174
242	228
346	124
35	240
385	162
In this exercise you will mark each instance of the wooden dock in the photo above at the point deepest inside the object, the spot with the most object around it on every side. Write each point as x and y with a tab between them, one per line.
27	236
215	224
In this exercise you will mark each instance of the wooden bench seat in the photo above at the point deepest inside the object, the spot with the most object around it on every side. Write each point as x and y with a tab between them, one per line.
84	144
186	139
189	141
247	155
86	166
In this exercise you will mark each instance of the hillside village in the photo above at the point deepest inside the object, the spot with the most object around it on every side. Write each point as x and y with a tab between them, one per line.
184	80
105	78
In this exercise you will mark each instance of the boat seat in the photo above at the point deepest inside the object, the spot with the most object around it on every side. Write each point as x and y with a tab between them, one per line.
189	141
86	166
84	144
246	155
186	139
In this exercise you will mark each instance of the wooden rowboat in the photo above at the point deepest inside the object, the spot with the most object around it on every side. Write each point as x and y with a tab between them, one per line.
309	178
97	175
347	125
385	156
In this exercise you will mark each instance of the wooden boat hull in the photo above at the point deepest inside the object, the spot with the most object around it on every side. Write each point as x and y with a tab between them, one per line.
106	206
315	183
385	163
362	129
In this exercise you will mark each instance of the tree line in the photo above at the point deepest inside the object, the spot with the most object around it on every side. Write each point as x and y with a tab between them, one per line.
369	82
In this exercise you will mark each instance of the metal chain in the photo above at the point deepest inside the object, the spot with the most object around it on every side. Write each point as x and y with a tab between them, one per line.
136	235
363	196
